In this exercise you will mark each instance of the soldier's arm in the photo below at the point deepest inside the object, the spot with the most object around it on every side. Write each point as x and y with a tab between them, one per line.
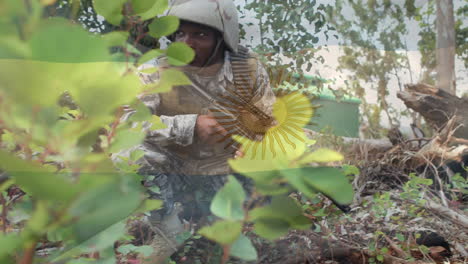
180	128
263	98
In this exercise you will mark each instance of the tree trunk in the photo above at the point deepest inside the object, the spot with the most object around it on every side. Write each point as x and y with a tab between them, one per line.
445	45
437	106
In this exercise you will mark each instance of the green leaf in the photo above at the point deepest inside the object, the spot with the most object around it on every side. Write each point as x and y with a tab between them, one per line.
147	9
321	212
132	49
169	78
400	237
228	202
98	220
8	260
175	77
145	250
75	45
125	249
105	238
8	244
126	139
136	154
12	47
351	170
5	185
36	180
285	208
155	53
103	242
39	218
14	84
329	181
280	207
182	237
223	232
149	70
142	113
271	189
243	249
296	179
179	54
110	10
271	229
116	38
321	155
259	170
149	205
163	26
85	82
380	258
155	189
274	220
88	139
156	123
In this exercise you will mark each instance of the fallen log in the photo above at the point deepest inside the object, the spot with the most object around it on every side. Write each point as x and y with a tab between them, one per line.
371	144
437	107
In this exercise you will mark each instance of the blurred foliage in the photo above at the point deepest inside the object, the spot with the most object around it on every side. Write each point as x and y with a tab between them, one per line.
56	139
63	88
281	168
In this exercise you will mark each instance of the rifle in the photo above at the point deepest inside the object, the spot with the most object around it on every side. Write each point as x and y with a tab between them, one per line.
236	100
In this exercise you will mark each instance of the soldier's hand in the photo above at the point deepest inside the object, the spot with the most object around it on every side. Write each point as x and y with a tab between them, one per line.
239	154
208	130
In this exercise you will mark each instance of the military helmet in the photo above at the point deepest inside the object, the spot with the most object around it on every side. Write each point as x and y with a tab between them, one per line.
218	14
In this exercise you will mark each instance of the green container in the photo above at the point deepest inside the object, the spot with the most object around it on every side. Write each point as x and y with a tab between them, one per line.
341	117
338	116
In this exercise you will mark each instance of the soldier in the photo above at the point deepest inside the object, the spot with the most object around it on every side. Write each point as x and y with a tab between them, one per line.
188	159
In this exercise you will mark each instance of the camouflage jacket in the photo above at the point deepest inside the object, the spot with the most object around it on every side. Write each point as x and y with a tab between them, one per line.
176	149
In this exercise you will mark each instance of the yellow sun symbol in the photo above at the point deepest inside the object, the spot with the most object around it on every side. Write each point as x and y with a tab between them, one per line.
291	112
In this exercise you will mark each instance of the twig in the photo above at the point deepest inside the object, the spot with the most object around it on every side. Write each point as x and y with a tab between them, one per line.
439	181
418	139
448	213
28	256
459	140
461	249
443	211
4	213
226	252
396	248
114	125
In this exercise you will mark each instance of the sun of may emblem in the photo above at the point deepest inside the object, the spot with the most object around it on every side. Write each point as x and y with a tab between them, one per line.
260	132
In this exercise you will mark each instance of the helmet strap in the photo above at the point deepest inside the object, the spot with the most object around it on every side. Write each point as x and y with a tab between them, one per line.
219	41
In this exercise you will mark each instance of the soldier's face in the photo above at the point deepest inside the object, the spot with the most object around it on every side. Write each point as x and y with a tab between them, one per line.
200	38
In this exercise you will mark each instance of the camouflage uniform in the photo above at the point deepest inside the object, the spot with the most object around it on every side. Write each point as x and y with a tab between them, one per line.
186	170
174	159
